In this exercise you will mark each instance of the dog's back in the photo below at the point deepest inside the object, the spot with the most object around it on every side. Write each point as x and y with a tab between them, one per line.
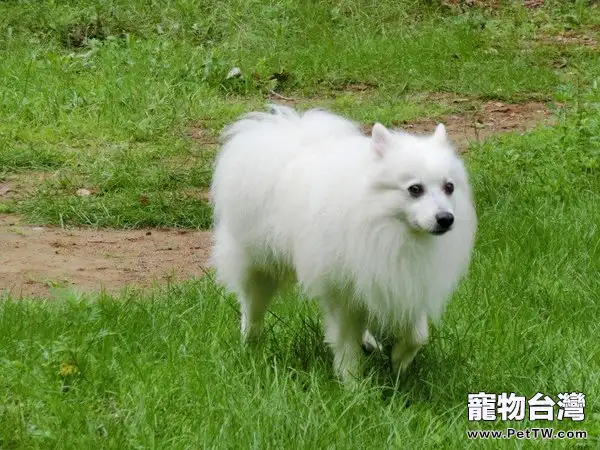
257	149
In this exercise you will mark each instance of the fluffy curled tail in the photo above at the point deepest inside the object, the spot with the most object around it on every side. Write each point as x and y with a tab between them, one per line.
276	114
313	125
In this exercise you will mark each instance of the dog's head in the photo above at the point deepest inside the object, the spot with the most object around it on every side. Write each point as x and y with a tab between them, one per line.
419	179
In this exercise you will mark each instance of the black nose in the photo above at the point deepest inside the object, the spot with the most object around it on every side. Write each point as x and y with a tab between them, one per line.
444	220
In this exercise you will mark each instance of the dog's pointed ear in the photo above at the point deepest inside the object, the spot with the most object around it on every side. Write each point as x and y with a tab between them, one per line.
440	133
381	139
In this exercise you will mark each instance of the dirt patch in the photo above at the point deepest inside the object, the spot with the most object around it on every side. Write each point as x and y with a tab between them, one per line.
198	193
489	119
75	35
494	4
16	186
533	3
572	38
354	87
202	135
36	260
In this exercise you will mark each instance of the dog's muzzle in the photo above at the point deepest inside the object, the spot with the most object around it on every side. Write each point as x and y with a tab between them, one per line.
444	221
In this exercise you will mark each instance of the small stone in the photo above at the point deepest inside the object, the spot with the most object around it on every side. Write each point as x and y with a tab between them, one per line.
234	73
83	192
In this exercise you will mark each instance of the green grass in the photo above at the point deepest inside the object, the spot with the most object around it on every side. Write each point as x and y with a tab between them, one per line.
133	185
163	368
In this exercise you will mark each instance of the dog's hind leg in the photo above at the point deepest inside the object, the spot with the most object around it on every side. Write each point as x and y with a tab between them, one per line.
258	289
410	341
254	287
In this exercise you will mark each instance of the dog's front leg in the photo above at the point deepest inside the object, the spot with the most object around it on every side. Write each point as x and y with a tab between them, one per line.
344	327
410	340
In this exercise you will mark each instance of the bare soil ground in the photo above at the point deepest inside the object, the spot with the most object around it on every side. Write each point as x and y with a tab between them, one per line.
34	260
37	260
489	119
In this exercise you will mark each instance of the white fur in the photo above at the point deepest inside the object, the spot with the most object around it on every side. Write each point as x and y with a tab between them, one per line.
309	197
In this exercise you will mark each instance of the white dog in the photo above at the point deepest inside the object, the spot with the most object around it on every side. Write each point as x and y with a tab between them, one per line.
379	229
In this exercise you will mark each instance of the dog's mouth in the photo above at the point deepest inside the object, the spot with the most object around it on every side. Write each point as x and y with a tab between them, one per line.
440	231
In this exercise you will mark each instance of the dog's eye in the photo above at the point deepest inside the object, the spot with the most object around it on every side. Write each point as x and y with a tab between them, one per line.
449	188
416	190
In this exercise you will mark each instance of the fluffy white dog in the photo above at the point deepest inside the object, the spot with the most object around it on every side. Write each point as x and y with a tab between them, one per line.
379	229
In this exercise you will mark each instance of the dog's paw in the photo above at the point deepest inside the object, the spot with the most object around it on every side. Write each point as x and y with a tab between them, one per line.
370	344
401	357
349	367
251	336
